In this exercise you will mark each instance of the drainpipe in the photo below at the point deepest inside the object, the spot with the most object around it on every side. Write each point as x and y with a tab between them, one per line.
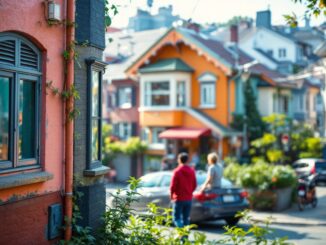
69	125
232	78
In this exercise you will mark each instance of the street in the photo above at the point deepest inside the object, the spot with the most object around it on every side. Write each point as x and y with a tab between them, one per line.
306	227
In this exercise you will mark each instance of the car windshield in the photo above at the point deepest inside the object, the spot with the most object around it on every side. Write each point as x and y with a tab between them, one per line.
150	180
155	180
300	165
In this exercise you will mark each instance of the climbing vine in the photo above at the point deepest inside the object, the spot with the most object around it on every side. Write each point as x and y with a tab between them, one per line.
65	94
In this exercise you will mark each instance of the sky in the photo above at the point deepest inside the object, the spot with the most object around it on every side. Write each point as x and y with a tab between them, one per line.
208	11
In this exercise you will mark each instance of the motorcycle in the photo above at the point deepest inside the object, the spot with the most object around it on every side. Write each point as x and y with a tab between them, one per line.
306	192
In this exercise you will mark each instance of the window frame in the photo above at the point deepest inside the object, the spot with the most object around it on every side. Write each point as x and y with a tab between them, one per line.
125	105
212	88
94	65
17	72
149	93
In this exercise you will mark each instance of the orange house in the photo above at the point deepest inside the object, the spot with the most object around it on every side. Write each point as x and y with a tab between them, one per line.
187	96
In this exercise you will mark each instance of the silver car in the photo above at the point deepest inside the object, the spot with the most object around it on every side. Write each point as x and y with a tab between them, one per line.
154	188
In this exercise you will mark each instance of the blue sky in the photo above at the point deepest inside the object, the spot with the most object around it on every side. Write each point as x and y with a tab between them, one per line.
214	10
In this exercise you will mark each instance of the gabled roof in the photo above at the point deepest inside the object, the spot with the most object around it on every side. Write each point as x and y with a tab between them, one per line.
228	57
166	65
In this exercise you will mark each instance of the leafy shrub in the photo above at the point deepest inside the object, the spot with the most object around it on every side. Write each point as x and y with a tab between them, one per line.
261	175
232	172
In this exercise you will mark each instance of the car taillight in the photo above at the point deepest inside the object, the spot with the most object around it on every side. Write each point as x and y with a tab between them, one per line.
201	196
244	194
313	170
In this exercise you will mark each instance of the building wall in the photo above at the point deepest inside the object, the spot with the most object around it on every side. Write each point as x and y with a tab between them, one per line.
26	17
201	65
24	209
268	40
265	101
25	222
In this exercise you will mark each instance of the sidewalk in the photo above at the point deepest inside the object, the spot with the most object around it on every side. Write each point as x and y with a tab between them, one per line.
309	216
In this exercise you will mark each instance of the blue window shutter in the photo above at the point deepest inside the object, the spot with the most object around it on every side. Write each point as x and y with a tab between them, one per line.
133	96
117	103
133	129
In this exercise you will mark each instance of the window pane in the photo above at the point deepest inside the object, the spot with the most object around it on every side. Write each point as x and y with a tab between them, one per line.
26	120
4	118
125	97
157	94
95	140
181	93
95	93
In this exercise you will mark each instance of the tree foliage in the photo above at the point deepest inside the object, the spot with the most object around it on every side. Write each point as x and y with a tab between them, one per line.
313	7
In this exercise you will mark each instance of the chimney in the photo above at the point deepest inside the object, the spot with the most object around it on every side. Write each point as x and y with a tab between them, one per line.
234	36
264	19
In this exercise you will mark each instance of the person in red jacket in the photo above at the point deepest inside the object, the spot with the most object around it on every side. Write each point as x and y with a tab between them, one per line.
182	186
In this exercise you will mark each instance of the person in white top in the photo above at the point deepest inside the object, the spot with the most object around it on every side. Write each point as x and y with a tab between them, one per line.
214	173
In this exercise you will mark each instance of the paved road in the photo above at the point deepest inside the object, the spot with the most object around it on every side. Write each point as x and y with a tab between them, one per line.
307	227
297	234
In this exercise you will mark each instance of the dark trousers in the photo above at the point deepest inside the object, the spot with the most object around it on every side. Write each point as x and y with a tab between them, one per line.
181	213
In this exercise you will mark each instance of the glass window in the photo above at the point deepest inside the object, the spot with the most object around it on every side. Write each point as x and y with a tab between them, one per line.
125	97
4	118
181	93
166	181
152	163
157	93
282	53
207	92
124	131
96	117
150	180
26	119
19	103
155	136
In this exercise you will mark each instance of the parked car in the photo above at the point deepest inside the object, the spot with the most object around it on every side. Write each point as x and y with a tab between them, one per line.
154	188
311	166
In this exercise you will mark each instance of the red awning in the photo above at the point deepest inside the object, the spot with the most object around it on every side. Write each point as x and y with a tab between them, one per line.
184	133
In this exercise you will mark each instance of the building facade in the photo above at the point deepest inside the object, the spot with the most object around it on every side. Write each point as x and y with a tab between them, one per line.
38	160
31	118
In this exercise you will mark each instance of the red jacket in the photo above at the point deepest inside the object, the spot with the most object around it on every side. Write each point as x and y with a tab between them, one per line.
183	183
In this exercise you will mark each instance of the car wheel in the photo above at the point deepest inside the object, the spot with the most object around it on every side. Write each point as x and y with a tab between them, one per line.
232	221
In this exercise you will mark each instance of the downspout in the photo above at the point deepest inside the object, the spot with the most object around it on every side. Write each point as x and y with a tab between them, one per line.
232	78
69	125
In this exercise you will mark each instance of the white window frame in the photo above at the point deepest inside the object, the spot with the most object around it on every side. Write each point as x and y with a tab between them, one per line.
182	92
207	84
282	53
123	127
155	135
173	78
123	97
149	93
208	101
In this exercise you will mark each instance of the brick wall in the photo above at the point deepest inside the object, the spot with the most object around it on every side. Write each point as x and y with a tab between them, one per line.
90	22
25	222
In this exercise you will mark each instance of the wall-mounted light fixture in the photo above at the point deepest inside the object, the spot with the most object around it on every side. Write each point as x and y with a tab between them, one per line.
54	12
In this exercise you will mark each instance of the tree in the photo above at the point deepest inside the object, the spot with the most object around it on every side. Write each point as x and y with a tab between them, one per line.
252	118
313	7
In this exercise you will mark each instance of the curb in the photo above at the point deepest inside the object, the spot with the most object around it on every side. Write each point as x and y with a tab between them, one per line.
300	222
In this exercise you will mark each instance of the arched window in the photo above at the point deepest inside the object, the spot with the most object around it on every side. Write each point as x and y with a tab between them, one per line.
20	72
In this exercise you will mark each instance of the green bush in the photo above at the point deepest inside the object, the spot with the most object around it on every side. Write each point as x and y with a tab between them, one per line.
260	175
